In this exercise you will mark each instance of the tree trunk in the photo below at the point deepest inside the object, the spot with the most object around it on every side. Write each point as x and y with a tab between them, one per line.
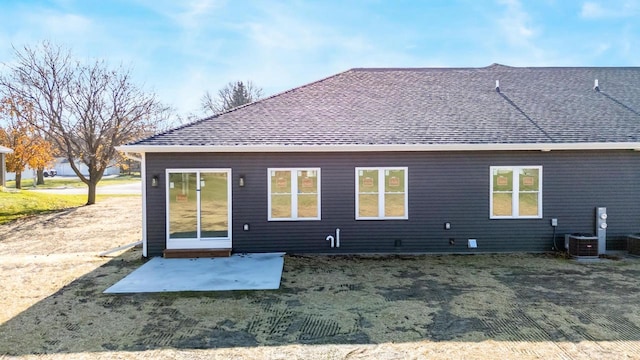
91	198
40	177
18	180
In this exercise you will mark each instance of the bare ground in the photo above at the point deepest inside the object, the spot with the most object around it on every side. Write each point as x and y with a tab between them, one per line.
396	307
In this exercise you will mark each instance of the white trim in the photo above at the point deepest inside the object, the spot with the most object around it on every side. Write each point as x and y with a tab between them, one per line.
200	242
515	197
143	175
294	194
381	192
380	148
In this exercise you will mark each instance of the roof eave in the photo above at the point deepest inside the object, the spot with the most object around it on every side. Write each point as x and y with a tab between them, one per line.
378	148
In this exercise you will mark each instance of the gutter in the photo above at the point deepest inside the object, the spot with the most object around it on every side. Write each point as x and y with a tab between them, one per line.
377	148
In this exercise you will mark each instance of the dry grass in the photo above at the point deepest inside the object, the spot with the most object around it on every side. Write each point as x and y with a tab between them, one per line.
396	307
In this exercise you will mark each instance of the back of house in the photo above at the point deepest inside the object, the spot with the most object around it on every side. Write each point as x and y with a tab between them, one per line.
429	160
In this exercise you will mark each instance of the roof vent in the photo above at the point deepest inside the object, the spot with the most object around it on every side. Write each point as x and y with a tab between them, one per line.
498	85
595	85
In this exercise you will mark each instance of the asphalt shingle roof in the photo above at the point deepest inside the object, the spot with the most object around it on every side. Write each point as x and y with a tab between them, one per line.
433	106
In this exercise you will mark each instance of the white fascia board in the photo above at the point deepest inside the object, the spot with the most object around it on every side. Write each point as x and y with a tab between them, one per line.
5	150
377	148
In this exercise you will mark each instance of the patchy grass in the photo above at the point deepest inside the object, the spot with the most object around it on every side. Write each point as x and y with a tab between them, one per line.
72	182
18	204
14	205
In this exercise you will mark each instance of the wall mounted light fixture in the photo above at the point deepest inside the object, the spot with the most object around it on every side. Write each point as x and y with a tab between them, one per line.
155	181
241	181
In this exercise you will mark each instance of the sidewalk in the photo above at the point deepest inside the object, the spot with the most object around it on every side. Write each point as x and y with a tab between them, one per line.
121	189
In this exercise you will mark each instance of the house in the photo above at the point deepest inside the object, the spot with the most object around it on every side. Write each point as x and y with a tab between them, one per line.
63	168
426	160
3	167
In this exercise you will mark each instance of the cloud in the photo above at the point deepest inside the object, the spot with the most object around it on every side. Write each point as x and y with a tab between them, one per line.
594	10
516	23
288	28
186	14
36	24
195	13
65	24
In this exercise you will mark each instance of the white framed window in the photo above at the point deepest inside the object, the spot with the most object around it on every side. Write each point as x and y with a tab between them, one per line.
294	194
381	193
515	192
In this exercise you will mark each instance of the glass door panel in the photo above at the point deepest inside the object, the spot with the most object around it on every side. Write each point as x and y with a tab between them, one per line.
214	205
183	206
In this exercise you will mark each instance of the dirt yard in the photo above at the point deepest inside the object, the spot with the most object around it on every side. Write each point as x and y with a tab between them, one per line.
397	307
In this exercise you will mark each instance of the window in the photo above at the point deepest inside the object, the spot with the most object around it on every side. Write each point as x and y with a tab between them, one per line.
381	193
294	194
516	192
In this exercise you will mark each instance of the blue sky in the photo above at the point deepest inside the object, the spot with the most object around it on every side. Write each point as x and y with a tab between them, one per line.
182	48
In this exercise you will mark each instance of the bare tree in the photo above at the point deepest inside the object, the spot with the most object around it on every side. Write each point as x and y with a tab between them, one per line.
232	95
85	109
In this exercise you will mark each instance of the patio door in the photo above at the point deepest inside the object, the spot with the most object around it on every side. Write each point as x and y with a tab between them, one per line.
199	209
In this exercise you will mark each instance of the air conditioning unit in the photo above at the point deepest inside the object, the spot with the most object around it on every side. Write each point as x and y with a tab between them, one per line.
581	245
633	244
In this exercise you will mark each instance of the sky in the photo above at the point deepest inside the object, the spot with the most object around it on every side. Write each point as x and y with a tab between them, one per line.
180	49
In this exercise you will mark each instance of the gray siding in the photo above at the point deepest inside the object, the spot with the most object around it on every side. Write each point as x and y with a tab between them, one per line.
443	187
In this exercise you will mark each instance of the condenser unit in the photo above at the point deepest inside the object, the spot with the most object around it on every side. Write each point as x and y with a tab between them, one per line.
581	245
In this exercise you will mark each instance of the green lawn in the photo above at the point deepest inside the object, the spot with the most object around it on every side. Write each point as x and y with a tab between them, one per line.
58	182
15	205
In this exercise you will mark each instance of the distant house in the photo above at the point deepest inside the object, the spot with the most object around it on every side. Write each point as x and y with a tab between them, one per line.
62	168
3	167
403	161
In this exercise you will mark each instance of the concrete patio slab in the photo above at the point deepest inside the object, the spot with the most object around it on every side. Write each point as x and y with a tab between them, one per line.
237	272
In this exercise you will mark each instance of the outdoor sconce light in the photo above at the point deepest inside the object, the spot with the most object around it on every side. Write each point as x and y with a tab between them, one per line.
241	181
154	181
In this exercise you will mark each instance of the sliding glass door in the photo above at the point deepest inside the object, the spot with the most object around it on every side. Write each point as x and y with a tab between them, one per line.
199	209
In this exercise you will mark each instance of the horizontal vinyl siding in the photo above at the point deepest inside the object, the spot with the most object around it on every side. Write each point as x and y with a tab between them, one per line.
443	187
